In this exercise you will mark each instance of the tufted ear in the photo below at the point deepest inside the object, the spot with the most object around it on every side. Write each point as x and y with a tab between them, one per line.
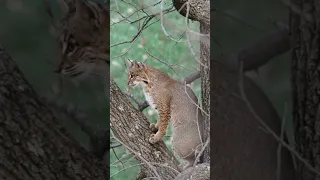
140	65
129	63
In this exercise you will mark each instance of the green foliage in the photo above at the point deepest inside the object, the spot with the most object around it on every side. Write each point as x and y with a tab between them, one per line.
152	41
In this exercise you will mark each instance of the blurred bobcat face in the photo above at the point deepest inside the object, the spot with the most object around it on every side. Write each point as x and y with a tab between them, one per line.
137	74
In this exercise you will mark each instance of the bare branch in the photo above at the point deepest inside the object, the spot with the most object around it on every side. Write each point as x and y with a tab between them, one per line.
280	145
192	77
141	105
199	172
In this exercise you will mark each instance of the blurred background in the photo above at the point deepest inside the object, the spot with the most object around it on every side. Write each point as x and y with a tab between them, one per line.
240	24
26	33
154	47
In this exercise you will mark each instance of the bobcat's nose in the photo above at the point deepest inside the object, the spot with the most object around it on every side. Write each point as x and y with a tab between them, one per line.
131	83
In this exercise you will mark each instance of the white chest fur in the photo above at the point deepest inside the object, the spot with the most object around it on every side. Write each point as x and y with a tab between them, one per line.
149	99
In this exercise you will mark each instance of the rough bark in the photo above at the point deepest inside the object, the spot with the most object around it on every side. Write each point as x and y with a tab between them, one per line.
306	78
200	11
32	143
131	127
205	87
199	172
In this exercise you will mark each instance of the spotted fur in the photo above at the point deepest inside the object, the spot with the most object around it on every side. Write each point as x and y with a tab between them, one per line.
173	101
83	39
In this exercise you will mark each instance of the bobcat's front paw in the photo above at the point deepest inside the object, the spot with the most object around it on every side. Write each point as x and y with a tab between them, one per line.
153	139
153	127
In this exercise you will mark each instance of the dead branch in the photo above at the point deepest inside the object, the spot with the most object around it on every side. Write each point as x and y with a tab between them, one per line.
199	172
141	105
192	77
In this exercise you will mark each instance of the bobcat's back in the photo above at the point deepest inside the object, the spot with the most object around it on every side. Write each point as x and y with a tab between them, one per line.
174	102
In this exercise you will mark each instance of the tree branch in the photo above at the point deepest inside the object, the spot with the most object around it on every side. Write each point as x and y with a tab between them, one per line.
198	10
31	130
130	127
192	77
199	172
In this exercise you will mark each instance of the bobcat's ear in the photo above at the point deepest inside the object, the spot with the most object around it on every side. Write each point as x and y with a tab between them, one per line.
128	62
140	65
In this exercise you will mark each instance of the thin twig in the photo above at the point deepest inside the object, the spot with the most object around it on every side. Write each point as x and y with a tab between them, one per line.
280	145
268	129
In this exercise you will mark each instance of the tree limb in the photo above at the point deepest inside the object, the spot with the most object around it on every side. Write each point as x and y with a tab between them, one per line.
33	142
199	172
198	10
192	77
130	127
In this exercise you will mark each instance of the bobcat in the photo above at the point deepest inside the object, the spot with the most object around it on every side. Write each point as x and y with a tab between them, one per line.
83	38
170	99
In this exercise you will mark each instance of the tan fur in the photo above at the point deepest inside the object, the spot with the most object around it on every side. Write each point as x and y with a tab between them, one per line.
83	38
172	103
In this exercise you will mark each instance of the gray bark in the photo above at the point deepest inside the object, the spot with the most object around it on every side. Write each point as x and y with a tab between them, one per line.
199	172
33	145
305	81
131	127
205	88
200	11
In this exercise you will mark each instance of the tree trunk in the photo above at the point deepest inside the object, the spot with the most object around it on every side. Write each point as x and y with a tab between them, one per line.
131	128
205	87
200	11
33	145
305	81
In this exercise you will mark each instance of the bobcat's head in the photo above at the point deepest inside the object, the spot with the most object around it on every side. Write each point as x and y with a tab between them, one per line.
137	74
